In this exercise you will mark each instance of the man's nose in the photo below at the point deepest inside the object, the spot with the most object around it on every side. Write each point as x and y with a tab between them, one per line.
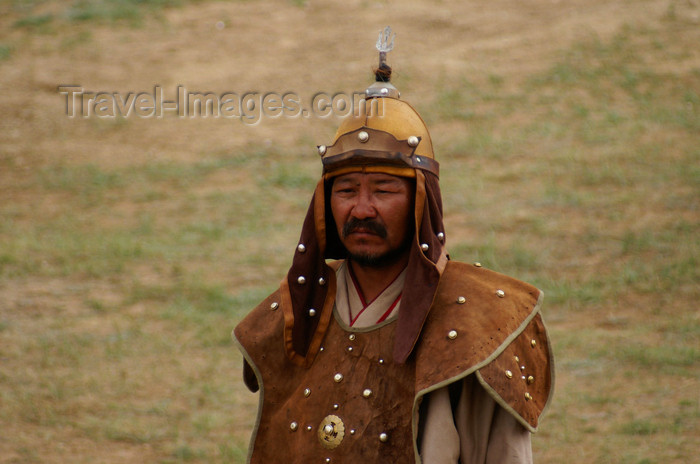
363	207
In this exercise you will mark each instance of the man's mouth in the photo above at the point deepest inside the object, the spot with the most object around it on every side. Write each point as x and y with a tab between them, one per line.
362	230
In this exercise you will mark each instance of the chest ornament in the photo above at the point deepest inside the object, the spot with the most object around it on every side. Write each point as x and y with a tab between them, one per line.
331	431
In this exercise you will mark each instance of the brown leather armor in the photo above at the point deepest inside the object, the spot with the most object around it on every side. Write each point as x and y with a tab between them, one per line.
355	404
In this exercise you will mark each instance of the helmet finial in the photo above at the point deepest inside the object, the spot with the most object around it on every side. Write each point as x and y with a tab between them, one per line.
385	44
382	74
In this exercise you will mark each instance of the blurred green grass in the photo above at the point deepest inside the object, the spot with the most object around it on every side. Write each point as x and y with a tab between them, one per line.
131	12
123	283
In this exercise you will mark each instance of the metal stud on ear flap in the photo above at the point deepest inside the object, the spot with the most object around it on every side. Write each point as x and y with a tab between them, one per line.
424	247
441	236
301	248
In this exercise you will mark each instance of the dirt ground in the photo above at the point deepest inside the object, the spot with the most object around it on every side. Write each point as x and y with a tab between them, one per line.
270	47
260	47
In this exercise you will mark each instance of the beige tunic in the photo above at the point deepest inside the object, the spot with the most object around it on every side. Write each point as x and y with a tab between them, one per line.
479	431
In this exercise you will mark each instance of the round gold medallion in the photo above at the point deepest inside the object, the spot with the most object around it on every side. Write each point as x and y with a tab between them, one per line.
331	431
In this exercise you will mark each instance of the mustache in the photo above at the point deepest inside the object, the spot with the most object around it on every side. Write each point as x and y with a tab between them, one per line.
368	224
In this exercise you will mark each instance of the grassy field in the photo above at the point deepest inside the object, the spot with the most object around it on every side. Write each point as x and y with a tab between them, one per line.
568	133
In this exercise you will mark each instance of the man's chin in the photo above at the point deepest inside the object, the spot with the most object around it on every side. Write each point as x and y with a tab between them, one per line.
367	259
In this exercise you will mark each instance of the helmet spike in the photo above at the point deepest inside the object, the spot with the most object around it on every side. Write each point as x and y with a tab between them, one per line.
382	74
385	44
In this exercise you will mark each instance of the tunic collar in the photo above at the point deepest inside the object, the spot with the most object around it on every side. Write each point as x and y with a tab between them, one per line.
352	308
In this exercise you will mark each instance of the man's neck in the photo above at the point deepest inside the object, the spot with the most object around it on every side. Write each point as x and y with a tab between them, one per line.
373	280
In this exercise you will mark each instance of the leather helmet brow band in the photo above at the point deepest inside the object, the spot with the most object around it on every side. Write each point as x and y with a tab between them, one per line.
367	146
373	158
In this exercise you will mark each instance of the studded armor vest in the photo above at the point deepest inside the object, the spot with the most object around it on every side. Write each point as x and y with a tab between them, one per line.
355	404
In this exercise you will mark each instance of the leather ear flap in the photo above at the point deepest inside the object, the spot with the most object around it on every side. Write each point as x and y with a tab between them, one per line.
426	262
308	291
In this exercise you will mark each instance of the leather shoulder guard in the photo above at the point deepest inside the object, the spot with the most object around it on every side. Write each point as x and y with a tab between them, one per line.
255	329
489	324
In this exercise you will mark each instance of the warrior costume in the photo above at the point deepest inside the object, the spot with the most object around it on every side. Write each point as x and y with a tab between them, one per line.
332	393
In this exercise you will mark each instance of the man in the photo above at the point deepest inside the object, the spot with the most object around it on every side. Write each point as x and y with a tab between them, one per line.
392	353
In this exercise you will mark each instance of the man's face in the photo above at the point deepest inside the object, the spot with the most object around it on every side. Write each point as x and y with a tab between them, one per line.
373	213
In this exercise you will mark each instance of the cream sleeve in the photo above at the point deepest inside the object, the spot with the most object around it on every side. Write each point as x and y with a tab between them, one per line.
478	432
